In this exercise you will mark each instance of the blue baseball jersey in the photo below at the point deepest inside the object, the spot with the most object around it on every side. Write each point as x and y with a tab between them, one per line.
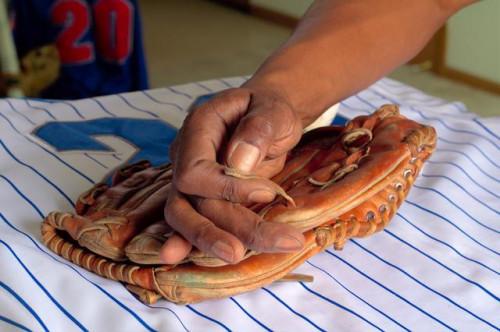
99	43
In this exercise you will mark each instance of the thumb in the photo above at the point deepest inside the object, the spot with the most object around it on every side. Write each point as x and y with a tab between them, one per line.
262	133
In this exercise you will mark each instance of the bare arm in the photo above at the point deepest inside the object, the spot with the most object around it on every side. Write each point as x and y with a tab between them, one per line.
339	48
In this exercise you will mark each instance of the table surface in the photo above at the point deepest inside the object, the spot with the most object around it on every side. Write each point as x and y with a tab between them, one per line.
435	267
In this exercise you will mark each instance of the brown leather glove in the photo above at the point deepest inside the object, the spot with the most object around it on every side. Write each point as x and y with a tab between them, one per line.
337	183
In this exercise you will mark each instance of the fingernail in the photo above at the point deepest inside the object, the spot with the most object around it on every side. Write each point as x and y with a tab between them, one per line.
223	250
244	157
261	196
287	242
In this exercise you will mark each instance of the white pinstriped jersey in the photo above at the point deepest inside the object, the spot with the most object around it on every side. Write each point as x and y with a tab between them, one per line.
435	268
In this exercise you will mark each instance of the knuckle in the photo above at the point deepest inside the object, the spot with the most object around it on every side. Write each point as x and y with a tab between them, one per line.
253	238
260	125
170	210
245	225
182	180
224	102
201	235
173	207
232	95
250	239
287	117
229	191
201	205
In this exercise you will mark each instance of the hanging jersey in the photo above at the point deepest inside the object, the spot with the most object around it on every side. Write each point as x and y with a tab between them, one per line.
99	44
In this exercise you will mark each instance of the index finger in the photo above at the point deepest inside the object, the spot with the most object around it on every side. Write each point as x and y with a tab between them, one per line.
204	129
202	136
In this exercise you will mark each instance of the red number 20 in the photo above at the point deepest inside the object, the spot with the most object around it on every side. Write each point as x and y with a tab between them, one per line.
114	23
74	17
113	30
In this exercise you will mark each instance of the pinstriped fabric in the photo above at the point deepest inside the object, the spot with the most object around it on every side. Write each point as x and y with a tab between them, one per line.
435	267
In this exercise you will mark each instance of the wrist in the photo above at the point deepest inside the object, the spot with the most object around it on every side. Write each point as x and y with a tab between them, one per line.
307	100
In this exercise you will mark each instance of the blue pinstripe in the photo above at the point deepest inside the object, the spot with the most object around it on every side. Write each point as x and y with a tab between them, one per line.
37	282
13	323
446	244
41	215
209	90
442	176
42	109
457	206
47	151
488	130
429	161
471	160
24	304
96	100
52	184
470	144
472	282
250	315
167	309
156	100
154	115
452	224
340	306
190	307
423	188
25	198
352	108
43	100
63	262
408	91
177	92
465	173
77	112
204	87
461	187
292	310
17	112
67	103
373	106
421	283
225	83
411	108
390	291
358	297
96	161
415	92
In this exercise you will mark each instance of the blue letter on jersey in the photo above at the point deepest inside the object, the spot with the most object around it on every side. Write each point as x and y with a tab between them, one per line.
151	137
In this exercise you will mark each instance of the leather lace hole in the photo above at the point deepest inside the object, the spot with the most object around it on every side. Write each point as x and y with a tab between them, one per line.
407	173
398	186
392	198
370	215
413	160
382	208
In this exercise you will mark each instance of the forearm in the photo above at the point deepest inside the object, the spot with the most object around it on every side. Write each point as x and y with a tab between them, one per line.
341	47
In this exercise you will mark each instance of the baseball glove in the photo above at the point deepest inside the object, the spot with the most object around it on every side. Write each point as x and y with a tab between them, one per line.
338	183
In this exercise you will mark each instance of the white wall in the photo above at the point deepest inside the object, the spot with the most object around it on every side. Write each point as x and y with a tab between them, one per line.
474	40
293	8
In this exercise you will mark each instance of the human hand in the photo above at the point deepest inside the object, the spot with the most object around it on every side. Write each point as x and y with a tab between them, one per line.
246	129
